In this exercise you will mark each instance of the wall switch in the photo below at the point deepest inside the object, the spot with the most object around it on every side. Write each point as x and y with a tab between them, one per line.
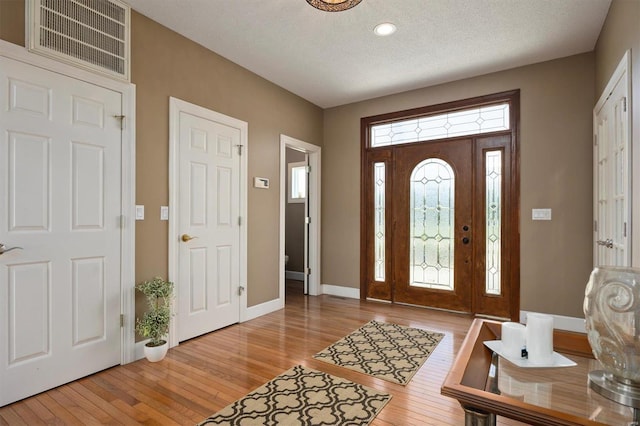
540	214
262	183
164	212
139	212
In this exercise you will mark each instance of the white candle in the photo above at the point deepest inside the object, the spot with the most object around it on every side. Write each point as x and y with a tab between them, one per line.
513	339
539	338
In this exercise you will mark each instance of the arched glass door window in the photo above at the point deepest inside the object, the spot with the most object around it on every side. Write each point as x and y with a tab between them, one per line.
431	235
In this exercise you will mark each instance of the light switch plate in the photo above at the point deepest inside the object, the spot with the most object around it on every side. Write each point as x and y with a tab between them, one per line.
139	212
540	214
261	183
164	212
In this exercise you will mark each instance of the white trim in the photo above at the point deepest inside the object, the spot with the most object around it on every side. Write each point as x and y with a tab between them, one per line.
175	107
313	198
263	309
294	275
560	322
337	290
128	178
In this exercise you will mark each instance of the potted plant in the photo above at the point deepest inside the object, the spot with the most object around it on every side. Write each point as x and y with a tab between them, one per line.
155	322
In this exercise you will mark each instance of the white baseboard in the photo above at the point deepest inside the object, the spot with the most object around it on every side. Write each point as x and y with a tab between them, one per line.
294	275
561	322
337	290
263	309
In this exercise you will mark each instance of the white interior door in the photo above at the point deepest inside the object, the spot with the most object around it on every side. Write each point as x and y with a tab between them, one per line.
60	188
208	225
612	179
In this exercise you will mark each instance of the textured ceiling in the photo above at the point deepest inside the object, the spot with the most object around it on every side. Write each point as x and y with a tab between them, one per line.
333	59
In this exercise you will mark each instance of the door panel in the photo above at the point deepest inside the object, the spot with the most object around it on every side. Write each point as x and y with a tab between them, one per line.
209	268
60	169
432	231
612	178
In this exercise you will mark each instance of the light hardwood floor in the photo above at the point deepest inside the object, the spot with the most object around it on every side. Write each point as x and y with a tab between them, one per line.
201	376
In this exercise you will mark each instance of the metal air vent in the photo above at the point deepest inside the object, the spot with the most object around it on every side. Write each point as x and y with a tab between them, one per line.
92	34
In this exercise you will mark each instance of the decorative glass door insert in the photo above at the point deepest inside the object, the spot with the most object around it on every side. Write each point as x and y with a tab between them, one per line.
432	201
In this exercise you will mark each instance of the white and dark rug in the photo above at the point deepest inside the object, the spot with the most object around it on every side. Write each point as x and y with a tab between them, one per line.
302	396
389	351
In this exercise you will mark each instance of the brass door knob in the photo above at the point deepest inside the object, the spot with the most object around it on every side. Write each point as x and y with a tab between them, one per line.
187	237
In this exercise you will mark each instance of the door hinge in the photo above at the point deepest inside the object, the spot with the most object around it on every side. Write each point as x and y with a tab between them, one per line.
624	104
121	320
595	226
239	149
239	220
595	140
307	169
307	220
123	221
624	230
121	118
307	271
240	290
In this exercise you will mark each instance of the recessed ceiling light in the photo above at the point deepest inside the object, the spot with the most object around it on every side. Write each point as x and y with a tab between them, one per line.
384	29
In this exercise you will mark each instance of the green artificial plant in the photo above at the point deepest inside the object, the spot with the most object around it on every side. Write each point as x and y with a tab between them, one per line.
155	322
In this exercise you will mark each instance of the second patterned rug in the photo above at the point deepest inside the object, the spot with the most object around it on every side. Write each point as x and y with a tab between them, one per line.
388	351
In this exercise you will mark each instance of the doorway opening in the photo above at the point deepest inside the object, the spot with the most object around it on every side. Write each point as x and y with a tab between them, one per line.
299	217
440	207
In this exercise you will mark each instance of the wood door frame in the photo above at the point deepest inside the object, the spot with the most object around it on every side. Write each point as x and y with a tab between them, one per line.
176	106
128	179
512	215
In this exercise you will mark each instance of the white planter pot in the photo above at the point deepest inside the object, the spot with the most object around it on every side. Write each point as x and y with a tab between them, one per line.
156	353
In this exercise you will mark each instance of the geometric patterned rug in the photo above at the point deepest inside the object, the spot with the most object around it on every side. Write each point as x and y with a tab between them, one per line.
302	396
388	351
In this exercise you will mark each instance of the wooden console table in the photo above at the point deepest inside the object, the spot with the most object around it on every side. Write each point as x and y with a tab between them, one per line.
486	385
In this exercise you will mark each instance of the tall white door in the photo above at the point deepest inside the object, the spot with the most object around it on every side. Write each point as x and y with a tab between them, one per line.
612	226
208	225
60	159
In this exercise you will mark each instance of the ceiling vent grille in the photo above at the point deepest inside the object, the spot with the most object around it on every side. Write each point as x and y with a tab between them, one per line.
92	34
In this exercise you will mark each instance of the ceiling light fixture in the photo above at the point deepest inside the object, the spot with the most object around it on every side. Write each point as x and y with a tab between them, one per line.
384	29
333	5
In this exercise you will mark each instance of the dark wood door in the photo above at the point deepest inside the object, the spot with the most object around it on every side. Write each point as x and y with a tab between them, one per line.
432	224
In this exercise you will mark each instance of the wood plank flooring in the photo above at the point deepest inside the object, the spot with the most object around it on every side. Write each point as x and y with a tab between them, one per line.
203	375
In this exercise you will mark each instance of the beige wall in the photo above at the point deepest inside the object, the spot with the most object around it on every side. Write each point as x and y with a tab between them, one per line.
621	32
166	64
294	223
556	102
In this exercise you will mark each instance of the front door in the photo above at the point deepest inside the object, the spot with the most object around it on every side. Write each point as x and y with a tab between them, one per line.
208	224
60	189
440	213
433	219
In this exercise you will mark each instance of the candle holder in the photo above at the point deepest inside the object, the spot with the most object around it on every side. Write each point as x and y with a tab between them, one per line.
612	314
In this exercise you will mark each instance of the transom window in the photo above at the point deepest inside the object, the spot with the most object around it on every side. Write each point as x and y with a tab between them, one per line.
483	119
